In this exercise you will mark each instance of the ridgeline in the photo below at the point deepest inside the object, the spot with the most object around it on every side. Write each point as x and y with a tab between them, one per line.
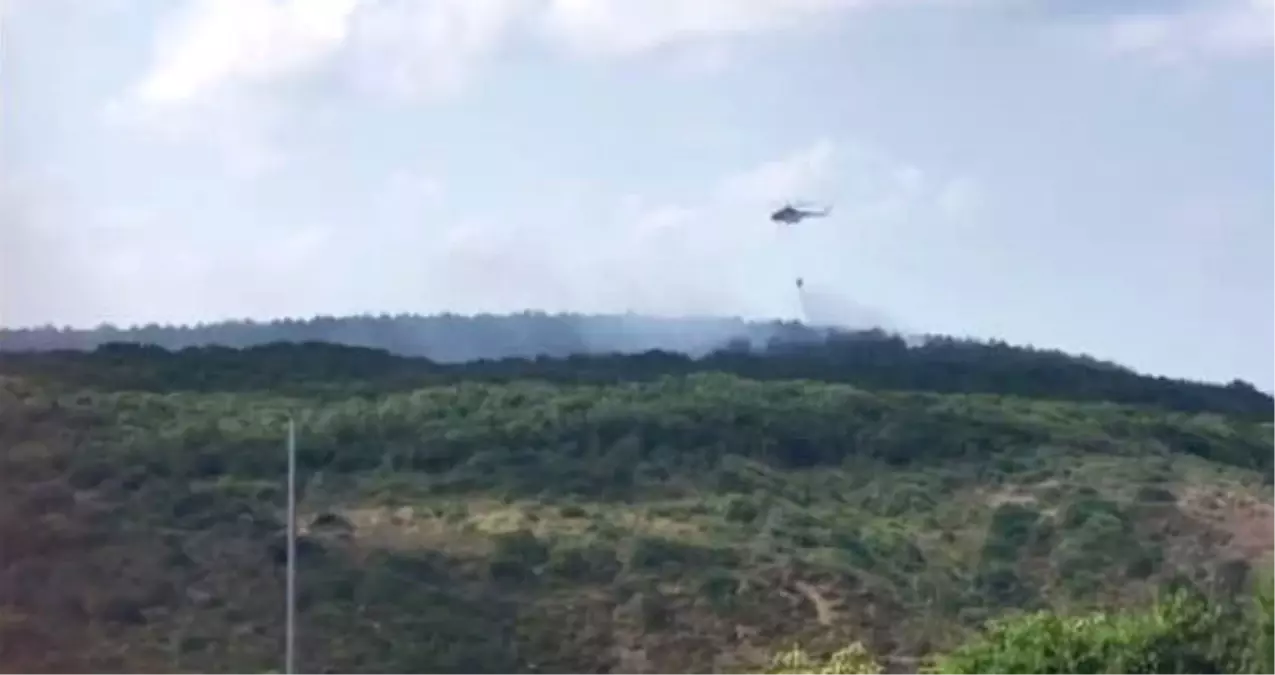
599	349
593	494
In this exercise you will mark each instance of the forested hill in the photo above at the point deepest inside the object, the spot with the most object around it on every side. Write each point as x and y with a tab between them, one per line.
408	350
623	512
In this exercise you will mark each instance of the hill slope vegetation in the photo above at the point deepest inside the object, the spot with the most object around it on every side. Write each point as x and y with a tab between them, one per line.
648	512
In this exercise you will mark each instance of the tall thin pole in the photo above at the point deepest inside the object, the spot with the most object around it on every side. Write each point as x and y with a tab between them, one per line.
290	629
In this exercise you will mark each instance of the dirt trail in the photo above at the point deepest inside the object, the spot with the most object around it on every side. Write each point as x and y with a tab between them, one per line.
823	609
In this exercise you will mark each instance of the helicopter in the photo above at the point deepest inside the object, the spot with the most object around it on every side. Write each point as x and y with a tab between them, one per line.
791	215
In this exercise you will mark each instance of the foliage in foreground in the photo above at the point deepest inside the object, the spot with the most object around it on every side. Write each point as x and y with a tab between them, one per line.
1184	632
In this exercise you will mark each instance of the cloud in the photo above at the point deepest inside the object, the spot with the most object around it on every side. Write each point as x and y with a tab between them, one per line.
218	67
213	68
1218	29
207	49
209	45
423	47
623	28
410	49
211	48
627	27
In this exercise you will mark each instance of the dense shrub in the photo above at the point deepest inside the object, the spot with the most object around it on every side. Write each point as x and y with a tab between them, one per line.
1183	633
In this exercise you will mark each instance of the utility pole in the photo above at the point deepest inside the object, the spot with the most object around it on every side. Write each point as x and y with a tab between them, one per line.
290	628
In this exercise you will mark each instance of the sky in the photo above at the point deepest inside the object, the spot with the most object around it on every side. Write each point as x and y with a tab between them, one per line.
1090	176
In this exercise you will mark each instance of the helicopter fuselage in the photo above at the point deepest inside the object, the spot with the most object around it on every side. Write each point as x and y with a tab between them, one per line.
790	216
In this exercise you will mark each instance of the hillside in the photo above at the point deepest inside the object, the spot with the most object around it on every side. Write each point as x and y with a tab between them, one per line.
641	513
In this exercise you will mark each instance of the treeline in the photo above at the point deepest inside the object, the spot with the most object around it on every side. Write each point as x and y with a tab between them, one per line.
870	360
444	338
